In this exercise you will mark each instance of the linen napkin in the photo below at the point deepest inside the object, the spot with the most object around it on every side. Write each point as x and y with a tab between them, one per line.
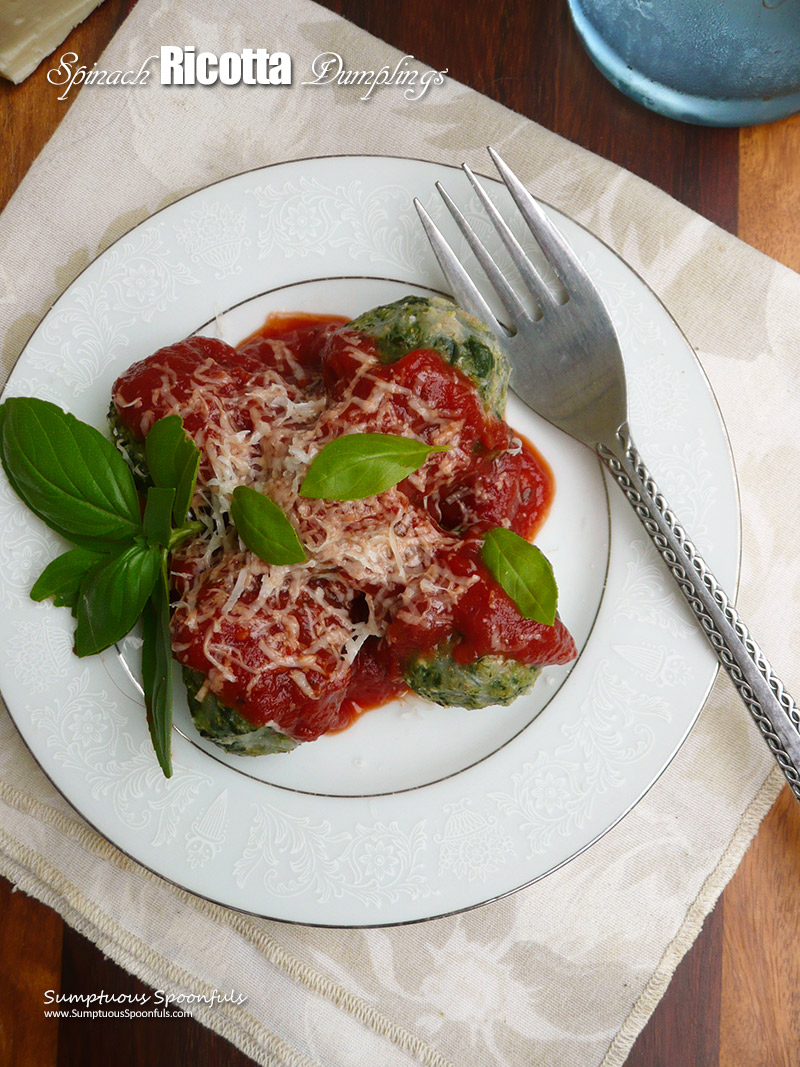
511	983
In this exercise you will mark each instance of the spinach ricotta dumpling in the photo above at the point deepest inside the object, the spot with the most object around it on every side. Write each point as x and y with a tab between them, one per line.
439	324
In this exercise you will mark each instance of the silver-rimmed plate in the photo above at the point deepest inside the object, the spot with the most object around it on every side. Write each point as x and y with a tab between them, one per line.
415	811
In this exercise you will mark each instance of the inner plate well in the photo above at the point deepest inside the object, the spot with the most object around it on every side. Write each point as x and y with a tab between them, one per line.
410	742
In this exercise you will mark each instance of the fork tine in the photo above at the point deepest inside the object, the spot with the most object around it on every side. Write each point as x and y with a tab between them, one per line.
537	286
509	298
464	289
559	254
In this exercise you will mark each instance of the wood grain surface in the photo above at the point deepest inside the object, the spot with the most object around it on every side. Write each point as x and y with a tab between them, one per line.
735	998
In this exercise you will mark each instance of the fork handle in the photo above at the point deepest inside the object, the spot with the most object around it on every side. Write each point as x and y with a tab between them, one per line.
773	710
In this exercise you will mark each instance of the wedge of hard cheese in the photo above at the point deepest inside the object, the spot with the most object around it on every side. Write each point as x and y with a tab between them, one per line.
31	29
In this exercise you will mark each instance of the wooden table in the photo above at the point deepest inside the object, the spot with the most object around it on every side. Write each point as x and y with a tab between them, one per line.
733	1001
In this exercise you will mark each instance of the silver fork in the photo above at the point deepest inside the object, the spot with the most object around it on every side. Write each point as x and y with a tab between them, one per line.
577	382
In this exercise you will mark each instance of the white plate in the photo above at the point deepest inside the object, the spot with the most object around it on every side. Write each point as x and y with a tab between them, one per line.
416	810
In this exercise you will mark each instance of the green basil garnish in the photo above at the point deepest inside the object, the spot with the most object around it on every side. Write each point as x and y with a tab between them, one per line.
80	486
264	528
62	578
524	572
113	596
68	473
157	668
173	459
359	465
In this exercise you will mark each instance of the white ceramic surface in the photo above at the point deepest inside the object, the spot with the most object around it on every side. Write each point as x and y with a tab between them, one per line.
416	810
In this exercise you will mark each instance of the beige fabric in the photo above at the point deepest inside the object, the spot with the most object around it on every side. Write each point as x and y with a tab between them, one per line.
567	972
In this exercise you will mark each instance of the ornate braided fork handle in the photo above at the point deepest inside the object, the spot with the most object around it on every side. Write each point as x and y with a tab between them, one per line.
774	711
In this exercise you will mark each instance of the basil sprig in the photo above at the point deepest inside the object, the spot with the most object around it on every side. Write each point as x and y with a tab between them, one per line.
264	528
359	465
79	485
524	572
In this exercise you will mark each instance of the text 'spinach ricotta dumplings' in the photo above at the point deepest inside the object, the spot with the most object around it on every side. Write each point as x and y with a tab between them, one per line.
393	594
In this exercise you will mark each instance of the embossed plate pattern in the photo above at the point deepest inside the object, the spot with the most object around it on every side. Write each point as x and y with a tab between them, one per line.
415	811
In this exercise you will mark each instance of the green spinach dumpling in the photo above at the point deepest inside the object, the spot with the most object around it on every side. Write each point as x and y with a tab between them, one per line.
226	727
489	680
436	322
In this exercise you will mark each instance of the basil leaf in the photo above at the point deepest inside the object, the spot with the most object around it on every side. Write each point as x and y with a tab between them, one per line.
113	595
359	465
524	572
157	668
62	578
67	473
158	515
173	460
264	528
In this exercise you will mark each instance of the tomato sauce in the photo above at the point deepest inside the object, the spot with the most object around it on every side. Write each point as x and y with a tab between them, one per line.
284	656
